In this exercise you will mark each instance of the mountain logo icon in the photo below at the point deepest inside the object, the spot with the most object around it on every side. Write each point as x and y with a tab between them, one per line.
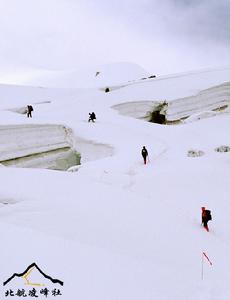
33	276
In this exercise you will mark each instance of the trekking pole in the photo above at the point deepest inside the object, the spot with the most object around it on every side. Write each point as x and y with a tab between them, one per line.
202	262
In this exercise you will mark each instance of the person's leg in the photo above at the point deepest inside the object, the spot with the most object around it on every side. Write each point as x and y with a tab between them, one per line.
206	225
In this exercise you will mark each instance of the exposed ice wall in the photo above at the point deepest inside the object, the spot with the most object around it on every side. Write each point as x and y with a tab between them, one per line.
137	109
214	98
43	146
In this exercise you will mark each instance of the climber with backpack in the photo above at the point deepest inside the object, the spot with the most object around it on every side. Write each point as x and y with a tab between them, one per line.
29	111
144	154
205	216
92	117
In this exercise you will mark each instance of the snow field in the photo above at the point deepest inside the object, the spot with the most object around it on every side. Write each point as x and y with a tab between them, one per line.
117	229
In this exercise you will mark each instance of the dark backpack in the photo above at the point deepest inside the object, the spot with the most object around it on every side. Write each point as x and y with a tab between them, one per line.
208	214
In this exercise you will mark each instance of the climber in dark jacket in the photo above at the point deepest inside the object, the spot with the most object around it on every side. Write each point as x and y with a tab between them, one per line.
205	217
29	111
144	154
92	117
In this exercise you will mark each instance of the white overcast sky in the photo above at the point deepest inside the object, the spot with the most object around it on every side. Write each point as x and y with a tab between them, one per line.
164	36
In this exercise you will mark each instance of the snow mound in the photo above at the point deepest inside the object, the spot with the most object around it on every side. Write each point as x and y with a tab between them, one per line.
223	149
7	200
195	153
74	168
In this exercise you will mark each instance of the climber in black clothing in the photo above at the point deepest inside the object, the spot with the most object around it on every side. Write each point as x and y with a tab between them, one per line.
144	153
92	117
29	111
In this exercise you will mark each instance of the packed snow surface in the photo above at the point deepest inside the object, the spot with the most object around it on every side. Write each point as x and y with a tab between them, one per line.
116	228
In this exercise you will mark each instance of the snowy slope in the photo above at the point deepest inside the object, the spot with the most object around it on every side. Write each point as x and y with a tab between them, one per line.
96	76
117	229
